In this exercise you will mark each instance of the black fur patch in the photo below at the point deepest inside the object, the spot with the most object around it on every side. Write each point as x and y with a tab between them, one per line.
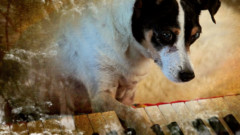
148	15
192	12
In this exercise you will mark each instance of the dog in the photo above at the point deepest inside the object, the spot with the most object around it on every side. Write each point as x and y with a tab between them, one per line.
108	49
106	46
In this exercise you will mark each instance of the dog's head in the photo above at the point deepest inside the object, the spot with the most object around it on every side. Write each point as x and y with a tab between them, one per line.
166	29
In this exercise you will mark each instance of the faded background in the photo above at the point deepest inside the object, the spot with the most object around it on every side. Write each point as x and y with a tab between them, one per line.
31	25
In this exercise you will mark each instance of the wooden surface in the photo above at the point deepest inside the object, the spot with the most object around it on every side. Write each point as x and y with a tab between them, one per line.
83	124
113	122
19	129
98	123
52	127
4	130
35	127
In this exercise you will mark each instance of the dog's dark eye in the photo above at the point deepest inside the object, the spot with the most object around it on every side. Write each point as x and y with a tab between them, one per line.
195	37
164	37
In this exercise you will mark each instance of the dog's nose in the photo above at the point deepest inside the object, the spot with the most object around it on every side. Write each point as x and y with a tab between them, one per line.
186	75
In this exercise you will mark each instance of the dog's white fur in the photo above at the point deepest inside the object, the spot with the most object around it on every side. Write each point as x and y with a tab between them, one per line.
98	49
176	61
100	39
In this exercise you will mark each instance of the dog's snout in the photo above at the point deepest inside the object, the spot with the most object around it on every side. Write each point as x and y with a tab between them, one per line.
186	75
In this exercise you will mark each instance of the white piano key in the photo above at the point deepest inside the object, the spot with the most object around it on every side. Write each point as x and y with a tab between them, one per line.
171	116
199	113
234	106
157	118
168	112
185	117
211	110
67	125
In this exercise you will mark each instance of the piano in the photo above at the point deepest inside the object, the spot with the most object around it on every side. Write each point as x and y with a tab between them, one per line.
213	116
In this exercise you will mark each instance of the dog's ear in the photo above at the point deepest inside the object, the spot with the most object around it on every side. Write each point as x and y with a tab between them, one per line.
137	8
138	4
147	4
211	5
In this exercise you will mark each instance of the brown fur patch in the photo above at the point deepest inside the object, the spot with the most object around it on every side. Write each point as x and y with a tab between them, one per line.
148	35
176	31
149	46
188	48
194	30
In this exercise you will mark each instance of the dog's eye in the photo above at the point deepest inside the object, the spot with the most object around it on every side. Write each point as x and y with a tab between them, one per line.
164	37
195	37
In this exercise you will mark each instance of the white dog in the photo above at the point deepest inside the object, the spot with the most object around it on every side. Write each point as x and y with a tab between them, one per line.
108	48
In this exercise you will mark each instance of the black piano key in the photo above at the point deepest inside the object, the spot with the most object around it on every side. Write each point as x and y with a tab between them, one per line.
217	126
157	129
232	123
201	127
174	129
112	133
130	131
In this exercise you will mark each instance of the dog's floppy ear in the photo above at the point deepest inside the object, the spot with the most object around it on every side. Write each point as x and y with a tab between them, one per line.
211	5
138	4
137	8
147	4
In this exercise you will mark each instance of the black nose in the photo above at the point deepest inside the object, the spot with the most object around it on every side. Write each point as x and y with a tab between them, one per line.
186	75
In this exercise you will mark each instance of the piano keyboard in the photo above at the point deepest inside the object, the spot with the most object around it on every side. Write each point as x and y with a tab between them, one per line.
215	116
